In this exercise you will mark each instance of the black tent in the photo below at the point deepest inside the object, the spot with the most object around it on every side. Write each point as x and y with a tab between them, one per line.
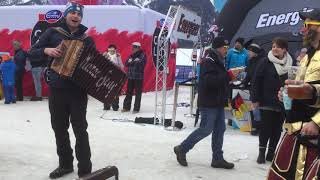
260	21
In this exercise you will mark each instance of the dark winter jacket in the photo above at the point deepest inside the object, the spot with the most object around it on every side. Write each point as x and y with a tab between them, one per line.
266	84
39	62
136	65
8	69
213	82
51	38
250	70
20	58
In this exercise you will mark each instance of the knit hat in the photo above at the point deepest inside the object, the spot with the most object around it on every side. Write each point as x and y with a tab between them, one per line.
5	57
219	42
136	44
74	6
254	48
240	40
313	14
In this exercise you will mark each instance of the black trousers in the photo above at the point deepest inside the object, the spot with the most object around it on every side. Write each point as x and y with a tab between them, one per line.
114	104
271	128
19	84
133	84
70	105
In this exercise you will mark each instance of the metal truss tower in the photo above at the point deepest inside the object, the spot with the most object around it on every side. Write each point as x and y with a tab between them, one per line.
163	52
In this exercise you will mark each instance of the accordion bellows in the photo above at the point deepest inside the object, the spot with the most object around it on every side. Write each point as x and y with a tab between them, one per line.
71	51
90	70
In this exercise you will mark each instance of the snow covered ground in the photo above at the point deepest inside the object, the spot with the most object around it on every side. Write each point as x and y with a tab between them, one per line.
141	152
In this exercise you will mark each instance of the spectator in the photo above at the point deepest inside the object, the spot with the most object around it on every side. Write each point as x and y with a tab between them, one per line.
255	55
254	52
114	57
37	68
20	57
1	91
212	98
135	63
237	56
8	69
270	75
301	55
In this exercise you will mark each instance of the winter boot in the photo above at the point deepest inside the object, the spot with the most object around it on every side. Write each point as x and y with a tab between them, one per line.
59	172
106	107
35	98
85	171
262	155
254	132
222	164
181	157
270	154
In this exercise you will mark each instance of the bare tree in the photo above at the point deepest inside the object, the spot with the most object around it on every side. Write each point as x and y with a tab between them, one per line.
4	3
140	2
9	2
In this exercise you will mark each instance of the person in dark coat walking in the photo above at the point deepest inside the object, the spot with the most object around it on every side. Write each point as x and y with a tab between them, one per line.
213	97
20	58
135	63
270	76
67	101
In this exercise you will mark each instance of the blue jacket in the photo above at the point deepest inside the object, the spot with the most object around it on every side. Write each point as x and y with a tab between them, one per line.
237	58
8	69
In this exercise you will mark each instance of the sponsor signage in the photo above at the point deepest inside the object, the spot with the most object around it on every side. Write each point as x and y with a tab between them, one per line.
187	25
269	20
47	20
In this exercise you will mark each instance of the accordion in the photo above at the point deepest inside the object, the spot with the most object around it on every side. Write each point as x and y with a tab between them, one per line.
90	70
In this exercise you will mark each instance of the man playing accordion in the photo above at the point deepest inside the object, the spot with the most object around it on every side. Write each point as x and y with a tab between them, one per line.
298	150
67	101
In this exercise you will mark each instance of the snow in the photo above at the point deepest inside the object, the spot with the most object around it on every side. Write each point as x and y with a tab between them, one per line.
141	152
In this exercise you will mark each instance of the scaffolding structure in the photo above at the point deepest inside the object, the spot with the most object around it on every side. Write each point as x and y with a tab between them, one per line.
163	51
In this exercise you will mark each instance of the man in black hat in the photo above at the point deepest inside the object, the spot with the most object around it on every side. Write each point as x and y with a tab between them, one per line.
237	56
213	96
297	151
67	101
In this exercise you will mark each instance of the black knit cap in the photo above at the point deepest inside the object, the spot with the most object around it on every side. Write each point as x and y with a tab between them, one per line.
240	40
219	42
313	14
